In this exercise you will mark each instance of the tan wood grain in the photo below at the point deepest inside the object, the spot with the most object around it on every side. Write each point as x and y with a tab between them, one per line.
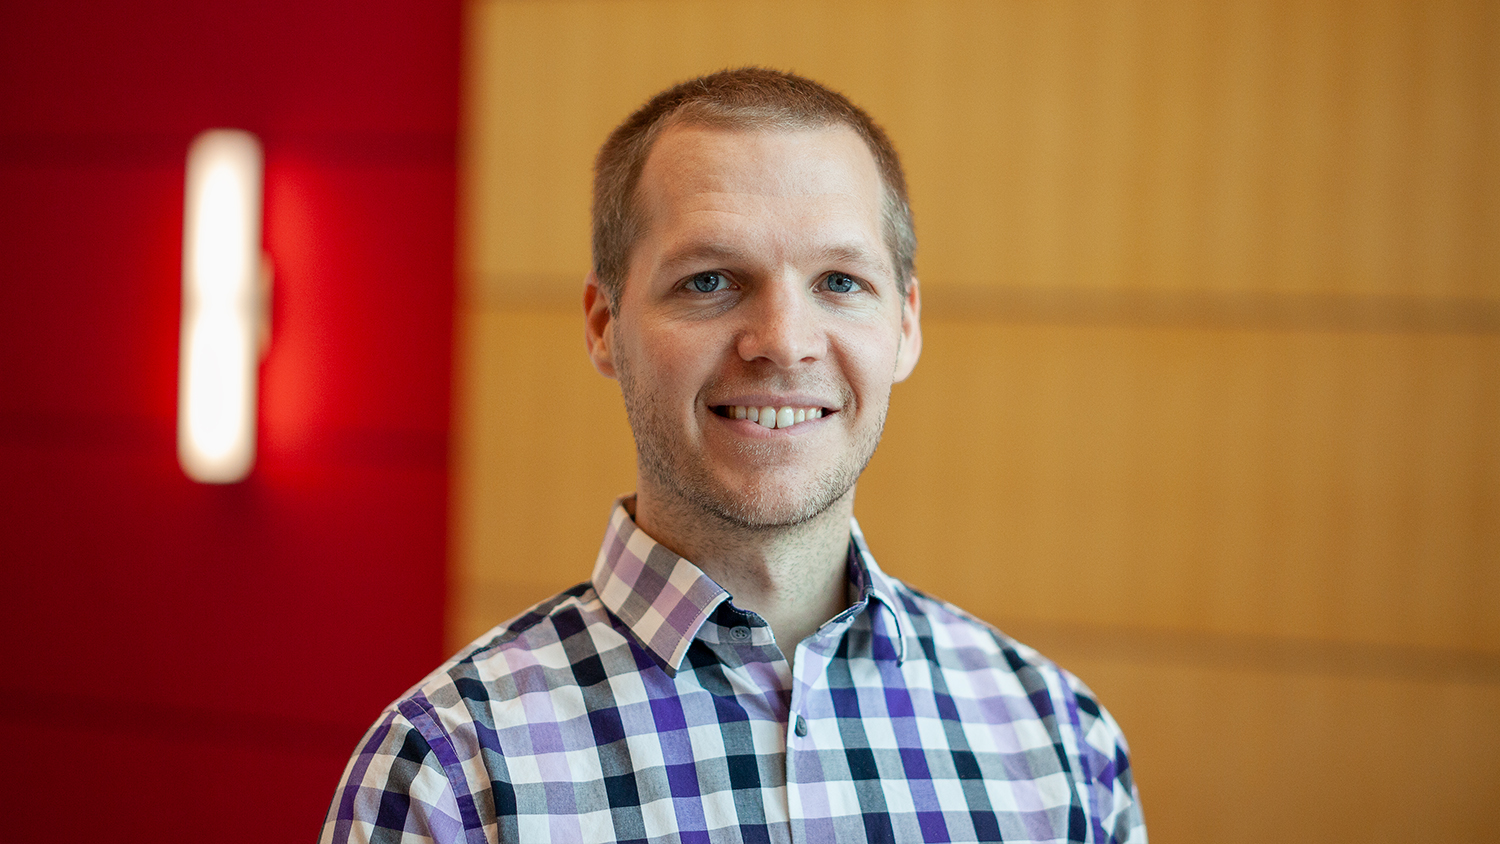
1209	408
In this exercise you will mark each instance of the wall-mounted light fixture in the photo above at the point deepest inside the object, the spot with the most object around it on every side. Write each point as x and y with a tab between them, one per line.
225	307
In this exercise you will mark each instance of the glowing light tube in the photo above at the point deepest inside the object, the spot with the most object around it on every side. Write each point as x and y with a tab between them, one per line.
224	307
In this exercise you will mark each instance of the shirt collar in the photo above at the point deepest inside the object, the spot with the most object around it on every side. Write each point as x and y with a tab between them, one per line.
664	600
871	582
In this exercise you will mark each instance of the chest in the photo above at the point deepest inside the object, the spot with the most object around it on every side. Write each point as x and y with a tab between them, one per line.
876	752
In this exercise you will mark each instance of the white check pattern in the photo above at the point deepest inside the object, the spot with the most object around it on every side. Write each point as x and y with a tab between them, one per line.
644	706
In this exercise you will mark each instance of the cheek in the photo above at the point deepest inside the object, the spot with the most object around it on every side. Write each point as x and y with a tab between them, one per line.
667	364
872	355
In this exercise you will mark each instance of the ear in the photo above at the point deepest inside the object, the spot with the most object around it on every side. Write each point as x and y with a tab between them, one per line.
911	331
597	320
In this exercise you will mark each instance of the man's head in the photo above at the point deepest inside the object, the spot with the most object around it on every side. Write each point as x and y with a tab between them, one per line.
749	98
758	321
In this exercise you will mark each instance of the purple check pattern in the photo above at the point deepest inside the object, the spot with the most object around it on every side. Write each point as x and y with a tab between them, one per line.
644	706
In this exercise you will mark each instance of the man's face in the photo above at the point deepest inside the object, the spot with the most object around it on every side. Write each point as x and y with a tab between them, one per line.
762	281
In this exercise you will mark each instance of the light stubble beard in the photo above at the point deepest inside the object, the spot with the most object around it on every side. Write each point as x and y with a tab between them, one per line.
753	509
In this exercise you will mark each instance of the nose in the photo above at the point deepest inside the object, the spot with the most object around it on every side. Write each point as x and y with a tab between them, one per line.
783	325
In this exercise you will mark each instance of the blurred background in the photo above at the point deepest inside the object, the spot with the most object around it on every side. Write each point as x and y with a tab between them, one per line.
1209	406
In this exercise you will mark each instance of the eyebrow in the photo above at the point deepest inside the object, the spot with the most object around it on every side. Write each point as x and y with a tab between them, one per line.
723	253
699	253
851	253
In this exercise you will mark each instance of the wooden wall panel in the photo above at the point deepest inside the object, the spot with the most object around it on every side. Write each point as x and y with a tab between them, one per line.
544	451
1210	394
1230	753
1322	485
1313	147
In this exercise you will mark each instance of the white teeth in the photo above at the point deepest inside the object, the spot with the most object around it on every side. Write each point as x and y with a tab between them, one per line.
774	417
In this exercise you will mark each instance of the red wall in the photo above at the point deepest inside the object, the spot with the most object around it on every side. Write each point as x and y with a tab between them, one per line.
189	662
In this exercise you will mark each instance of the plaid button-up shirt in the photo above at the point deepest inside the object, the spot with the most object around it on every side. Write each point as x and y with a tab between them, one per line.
644	706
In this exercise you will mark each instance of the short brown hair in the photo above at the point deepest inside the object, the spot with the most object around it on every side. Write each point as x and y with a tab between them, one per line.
745	98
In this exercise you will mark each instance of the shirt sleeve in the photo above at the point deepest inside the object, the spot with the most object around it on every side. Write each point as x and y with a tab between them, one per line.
395	790
1105	758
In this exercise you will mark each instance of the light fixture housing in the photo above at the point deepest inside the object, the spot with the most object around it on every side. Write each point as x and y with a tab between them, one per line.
225	307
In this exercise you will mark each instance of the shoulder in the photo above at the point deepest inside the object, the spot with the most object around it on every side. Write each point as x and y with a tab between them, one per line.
537	650
511	658
424	770
978	657
960	641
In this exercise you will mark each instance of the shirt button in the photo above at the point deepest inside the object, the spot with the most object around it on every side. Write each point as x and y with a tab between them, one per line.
739	634
801	728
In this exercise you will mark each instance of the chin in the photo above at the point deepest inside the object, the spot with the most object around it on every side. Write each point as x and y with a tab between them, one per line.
752	488
773	509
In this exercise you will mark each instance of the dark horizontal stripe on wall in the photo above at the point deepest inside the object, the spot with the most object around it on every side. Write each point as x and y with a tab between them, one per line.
1144	309
87	431
1215	310
142	149
1261	653
344	446
174	723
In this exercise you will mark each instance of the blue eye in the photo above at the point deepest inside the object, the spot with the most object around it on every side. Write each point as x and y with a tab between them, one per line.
840	283
707	282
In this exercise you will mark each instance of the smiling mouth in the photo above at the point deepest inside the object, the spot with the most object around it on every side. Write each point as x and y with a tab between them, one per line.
770	417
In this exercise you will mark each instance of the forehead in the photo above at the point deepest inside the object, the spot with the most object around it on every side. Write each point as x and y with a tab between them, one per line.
694	168
788	152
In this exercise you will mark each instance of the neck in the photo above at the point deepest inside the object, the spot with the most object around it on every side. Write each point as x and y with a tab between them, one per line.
795	577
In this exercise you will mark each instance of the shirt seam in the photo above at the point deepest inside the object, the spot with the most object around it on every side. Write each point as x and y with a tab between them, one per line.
421	714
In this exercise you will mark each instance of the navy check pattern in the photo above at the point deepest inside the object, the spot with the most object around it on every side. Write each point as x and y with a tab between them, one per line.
644	706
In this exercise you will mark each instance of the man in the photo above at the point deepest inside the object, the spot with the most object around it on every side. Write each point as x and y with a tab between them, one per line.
738	668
